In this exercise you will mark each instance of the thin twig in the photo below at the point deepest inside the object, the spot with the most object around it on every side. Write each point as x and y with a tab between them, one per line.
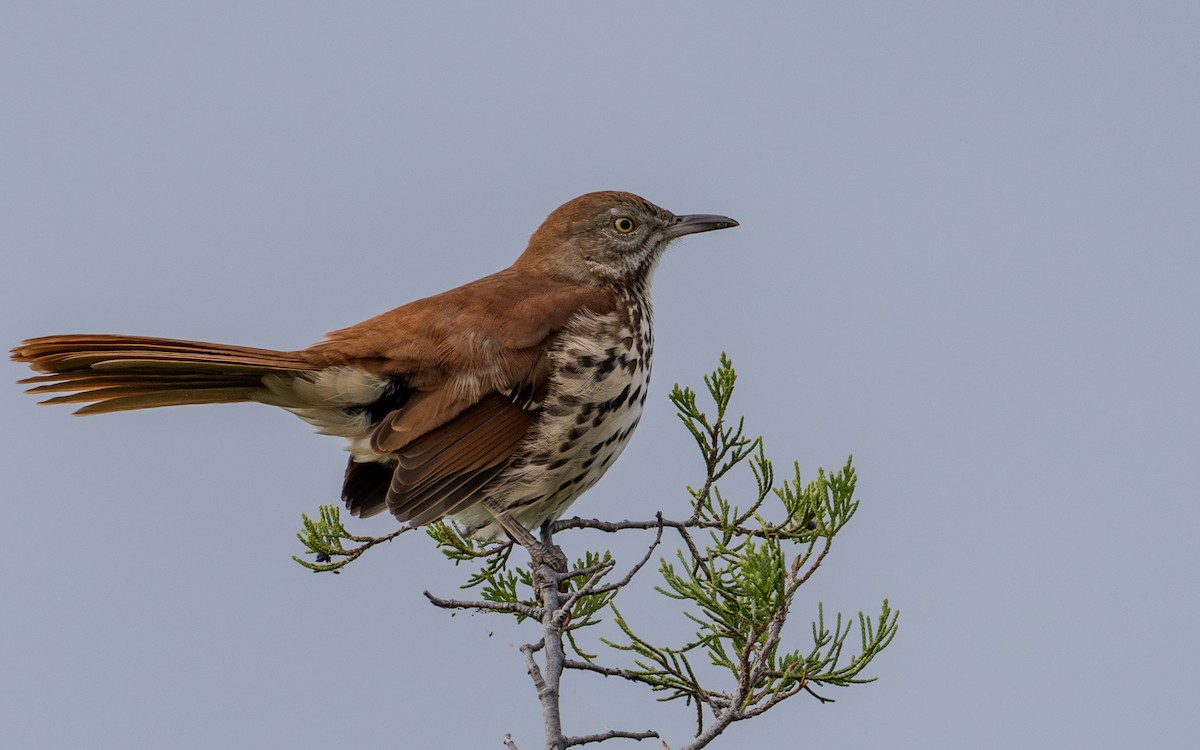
589	570
587	666
695	553
634	570
610	735
517	607
371	541
798	562
601	570
776	699
709	697
612	527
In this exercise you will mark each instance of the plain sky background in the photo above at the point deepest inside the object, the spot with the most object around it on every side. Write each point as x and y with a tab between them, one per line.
968	256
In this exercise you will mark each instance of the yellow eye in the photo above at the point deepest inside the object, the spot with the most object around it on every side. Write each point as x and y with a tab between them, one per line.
623	224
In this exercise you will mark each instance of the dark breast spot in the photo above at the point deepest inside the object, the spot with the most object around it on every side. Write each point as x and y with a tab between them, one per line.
606	366
615	402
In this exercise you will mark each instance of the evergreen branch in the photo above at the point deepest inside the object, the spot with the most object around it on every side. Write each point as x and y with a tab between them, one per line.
742	583
323	537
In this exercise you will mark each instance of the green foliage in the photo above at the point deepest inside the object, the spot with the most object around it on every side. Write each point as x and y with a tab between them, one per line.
721	446
740	591
496	582
740	586
324	535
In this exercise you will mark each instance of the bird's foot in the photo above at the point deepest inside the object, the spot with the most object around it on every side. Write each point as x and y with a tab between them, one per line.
548	554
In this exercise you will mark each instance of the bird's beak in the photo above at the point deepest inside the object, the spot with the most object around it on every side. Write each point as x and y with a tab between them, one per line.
694	223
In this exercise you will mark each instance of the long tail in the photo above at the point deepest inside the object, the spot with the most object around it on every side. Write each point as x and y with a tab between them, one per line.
116	373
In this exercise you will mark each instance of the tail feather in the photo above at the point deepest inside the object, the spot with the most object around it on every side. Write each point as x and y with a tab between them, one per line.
206	395
91	379
117	373
80	352
84	341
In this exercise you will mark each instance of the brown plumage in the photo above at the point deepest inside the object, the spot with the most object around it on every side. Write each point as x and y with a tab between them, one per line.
498	402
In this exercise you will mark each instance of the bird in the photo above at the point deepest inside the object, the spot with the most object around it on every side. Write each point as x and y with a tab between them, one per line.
497	403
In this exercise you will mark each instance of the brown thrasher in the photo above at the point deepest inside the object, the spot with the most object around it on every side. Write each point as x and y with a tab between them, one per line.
499	402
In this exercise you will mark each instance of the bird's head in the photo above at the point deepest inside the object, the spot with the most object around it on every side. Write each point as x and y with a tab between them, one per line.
610	238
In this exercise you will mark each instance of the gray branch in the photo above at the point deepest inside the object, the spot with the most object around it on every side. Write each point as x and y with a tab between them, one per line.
517	607
611	734
546	677
587	666
612	527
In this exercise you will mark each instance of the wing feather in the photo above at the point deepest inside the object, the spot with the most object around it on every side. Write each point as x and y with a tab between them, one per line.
445	469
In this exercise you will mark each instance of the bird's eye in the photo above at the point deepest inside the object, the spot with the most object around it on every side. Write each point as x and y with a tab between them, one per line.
623	224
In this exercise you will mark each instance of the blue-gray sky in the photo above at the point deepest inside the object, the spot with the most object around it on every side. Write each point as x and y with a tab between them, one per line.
968	256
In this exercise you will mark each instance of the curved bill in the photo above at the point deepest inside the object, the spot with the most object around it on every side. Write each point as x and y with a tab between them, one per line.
693	223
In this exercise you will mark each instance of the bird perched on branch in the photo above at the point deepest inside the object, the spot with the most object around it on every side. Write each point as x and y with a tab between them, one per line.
499	402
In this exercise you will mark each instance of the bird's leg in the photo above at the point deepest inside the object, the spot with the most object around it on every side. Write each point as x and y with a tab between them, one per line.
517	531
542	552
554	555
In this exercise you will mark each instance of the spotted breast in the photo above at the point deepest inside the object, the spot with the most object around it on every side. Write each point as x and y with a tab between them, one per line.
601	375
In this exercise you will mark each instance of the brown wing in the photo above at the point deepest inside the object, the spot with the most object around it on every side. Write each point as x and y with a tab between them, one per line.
476	358
438	471
442	472
365	488
492	330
